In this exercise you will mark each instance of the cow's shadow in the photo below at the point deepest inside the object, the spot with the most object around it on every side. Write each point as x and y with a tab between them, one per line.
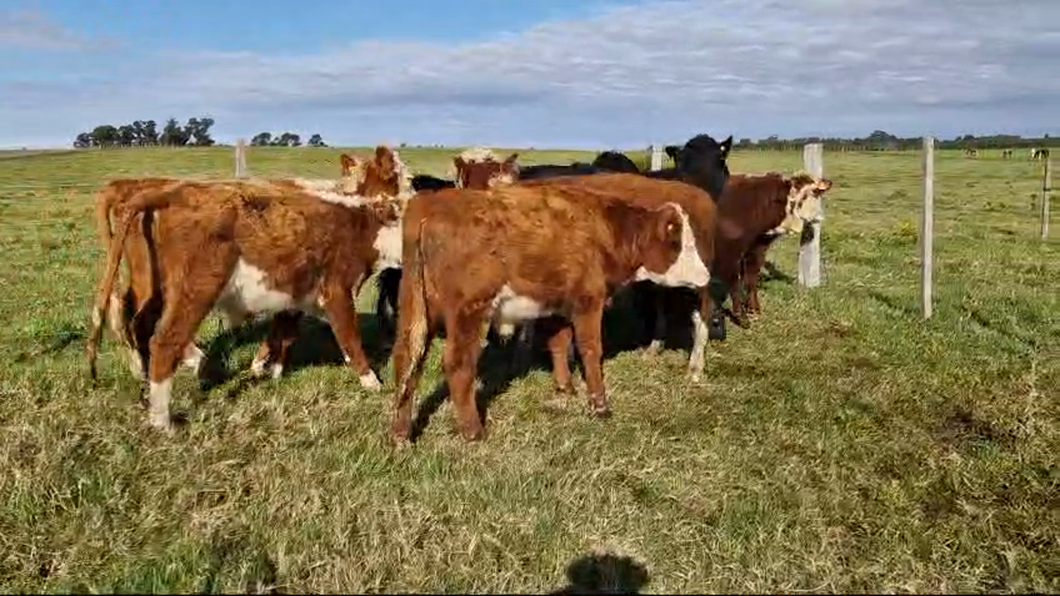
499	366
604	574
314	345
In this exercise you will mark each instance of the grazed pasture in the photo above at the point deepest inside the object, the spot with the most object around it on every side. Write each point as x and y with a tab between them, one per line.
840	445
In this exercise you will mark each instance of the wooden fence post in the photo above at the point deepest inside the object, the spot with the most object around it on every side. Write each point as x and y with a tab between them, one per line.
1047	183
810	243
241	158
656	157
927	228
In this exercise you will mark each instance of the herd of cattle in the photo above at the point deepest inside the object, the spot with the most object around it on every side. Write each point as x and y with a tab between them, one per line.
500	247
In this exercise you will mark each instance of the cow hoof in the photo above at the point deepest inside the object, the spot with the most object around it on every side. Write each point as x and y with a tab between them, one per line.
602	412
162	423
695	377
653	349
370	381
473	433
257	367
716	330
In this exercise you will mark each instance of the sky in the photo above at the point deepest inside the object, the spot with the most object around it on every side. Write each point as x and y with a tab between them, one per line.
531	73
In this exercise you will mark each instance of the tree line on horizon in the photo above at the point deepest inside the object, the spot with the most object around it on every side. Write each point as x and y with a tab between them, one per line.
883	141
196	133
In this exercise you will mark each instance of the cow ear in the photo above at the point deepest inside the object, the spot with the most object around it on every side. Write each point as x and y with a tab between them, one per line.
384	158
511	158
823	184
726	145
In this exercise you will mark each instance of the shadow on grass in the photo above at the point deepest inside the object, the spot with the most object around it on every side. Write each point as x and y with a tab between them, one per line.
314	345
604	574
623	330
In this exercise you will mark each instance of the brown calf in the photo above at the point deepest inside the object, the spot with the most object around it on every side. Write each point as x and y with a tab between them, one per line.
249	247
479	168
134	310
753	212
702	216
518	253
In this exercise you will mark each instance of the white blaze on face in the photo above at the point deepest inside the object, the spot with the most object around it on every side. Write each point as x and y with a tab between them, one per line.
688	270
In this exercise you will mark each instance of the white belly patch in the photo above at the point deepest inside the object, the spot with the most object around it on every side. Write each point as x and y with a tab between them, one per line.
247	293
511	308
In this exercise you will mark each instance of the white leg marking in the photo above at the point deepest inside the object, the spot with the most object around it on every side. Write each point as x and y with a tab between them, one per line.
158	408
136	364
277	370
699	347
370	381
257	366
193	358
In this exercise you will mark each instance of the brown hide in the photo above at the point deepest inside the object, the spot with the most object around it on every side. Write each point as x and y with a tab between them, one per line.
566	248
203	233
702	213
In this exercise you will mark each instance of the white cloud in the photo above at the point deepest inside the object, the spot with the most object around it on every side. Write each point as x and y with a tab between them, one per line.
636	74
33	30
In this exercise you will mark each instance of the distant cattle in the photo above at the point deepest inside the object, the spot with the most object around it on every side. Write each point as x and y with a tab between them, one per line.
753	212
528	252
614	161
970	152
1006	153
428	182
1040	153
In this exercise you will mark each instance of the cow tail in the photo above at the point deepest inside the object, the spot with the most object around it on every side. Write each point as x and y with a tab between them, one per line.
415	331
114	256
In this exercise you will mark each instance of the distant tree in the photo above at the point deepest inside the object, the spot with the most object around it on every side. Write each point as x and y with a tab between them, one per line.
83	141
105	135
150	133
316	141
197	132
172	134
126	135
287	139
262	139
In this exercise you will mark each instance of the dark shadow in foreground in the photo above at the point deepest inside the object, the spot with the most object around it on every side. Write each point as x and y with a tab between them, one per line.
604	574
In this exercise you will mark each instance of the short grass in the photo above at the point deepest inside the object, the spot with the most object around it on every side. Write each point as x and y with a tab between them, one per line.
842	444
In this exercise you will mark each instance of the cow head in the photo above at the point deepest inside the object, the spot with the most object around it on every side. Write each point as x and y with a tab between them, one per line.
702	161
385	176
478	168
803	202
673	152
668	250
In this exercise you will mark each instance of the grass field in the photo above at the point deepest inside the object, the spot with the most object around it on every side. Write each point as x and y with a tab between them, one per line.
842	444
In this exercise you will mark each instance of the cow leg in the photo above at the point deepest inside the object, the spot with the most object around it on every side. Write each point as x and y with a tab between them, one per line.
560	342
459	361
658	307
342	315
755	260
524	341
282	333
587	332
700	333
409	359
185	308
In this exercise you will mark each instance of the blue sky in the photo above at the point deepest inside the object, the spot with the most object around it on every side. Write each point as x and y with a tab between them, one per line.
576	73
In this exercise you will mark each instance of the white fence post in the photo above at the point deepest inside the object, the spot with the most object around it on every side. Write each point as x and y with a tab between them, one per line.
927	228
810	243
656	157
1047	183
241	158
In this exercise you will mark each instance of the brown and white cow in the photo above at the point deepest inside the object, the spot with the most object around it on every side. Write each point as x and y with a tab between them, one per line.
135	309
702	216
516	253
753	212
